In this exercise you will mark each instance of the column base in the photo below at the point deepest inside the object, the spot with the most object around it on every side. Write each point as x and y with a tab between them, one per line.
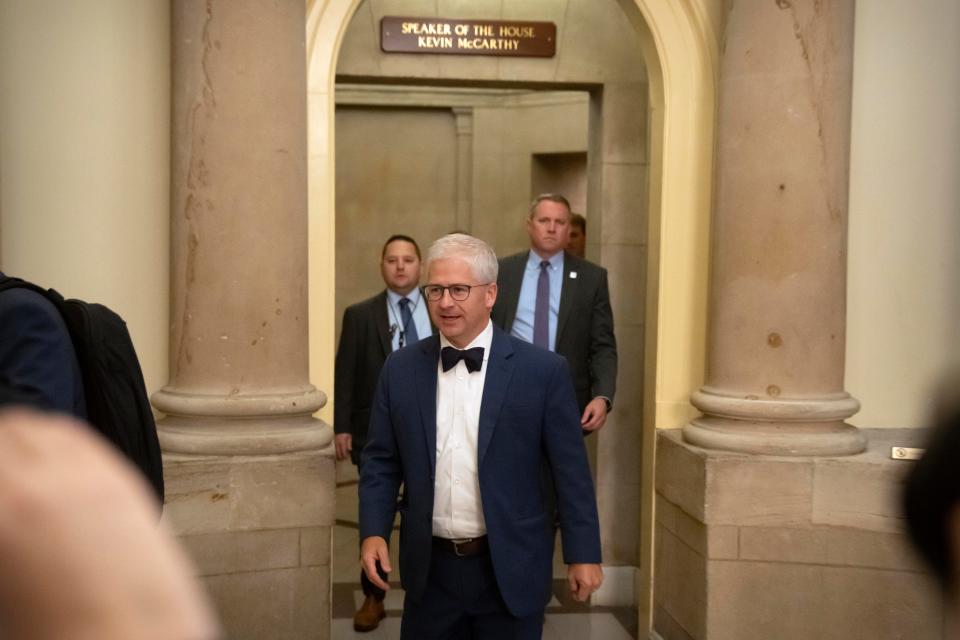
811	426
242	424
258	531
761	547
224	437
783	439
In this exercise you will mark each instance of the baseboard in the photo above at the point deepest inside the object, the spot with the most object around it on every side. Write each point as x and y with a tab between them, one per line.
618	588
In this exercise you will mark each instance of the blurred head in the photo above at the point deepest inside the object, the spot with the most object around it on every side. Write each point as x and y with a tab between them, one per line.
400	264
461	286
577	243
932	495
549	224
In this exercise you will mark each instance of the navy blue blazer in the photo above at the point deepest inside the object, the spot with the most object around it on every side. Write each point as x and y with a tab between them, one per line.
528	417
37	360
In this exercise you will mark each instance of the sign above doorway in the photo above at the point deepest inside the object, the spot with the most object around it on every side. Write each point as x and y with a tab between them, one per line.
468	37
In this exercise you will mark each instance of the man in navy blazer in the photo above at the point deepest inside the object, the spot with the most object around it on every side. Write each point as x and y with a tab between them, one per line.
465	421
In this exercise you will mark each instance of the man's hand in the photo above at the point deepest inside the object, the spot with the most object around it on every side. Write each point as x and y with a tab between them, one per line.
594	414
372	550
584	579
83	554
344	445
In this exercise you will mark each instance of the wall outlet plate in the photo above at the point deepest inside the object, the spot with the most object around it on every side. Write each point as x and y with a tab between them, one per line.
906	453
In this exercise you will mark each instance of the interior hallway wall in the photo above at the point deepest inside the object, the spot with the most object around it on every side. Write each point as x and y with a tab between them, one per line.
597	49
506	138
84	157
903	300
396	173
398	168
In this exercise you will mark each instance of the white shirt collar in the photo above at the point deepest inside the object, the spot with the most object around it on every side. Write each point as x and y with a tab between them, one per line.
413	296
534	260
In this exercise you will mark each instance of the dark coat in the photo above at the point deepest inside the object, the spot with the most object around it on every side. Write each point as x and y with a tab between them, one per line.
364	345
584	322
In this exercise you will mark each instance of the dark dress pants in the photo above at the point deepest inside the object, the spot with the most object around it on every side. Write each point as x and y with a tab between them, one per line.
462	602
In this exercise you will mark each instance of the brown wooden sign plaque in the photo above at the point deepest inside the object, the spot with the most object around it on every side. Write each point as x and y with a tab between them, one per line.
468	37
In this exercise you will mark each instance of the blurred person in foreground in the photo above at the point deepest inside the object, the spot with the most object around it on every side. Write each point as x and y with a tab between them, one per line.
83	556
932	494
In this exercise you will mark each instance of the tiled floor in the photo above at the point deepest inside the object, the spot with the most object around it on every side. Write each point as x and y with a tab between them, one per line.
566	619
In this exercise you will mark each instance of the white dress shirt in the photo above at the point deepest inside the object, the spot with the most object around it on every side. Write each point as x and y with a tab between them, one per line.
457	508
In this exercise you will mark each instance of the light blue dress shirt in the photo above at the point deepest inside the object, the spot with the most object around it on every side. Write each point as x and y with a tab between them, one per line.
420	316
526	306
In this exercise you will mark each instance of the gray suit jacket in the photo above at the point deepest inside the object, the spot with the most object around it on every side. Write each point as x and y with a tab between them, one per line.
584	323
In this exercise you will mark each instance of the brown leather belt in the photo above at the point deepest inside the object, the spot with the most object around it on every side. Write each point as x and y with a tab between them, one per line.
463	546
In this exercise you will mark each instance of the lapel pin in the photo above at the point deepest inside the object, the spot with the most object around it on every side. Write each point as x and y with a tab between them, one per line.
573	275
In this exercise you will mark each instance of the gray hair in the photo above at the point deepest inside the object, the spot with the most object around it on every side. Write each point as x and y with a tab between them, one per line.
474	251
550	197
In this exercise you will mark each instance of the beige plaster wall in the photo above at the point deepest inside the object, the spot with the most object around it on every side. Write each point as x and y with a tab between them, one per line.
397	168
84	157
506	137
396	173
595	43
904	238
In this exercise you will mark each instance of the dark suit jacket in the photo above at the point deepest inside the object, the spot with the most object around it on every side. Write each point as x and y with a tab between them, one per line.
365	342
528	417
364	345
38	365
584	323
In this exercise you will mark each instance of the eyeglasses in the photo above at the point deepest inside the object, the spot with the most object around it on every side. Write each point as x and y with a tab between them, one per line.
458	292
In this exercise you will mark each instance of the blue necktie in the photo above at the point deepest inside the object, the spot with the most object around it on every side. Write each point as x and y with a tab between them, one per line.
541	313
409	326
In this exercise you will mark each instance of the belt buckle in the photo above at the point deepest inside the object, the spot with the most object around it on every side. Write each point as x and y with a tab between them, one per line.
456	546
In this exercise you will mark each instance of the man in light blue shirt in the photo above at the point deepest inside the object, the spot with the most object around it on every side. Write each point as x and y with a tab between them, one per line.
414	328
523	324
559	302
371	330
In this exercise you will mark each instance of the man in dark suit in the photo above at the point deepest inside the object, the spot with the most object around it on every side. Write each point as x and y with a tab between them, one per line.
557	301
465	421
371	330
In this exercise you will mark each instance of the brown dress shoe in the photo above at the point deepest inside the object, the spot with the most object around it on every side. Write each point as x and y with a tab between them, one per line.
369	615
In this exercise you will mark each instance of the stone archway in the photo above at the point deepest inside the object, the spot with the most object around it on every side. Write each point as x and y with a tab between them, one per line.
681	58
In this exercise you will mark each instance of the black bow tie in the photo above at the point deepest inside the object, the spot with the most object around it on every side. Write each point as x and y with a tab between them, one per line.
473	358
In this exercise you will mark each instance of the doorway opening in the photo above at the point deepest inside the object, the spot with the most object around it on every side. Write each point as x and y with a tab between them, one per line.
672	109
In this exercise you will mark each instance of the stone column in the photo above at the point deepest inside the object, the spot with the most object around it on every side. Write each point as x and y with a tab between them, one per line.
249	470
778	277
464	119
